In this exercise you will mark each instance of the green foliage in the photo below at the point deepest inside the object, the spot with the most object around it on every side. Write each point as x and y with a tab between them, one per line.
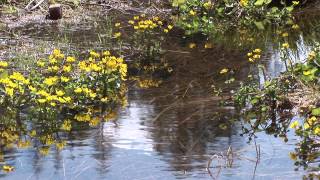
58	94
221	16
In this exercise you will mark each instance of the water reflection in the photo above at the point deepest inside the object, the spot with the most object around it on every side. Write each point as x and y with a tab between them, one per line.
166	132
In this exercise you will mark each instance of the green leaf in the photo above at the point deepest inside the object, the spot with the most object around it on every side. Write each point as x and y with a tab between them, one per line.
259	2
316	112
177	3
4	74
290	8
254	101
259	25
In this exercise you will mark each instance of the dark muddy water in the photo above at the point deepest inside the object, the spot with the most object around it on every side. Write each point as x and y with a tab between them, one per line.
166	132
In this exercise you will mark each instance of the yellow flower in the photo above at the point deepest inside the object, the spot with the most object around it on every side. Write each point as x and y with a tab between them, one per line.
44	151
7	168
92	95
61	145
60	93
192	13
105	99
50	81
94	122
295	2
23	144
19	77
3	64
65	79
67	68
294	125
94	54
71	59
244	3
9	91
249	54
136	17
53	104
317	131
285	45
307	73
117	24
68	99
257	51
131	22
224	70
285	34
33	133
57	54
83	118
295	26
53	61
170	27
117	34
208	45
43	93
106	53
78	90
41	101
192	45
41	64
312	120
66	126
256	56
166	30
207	5
32	89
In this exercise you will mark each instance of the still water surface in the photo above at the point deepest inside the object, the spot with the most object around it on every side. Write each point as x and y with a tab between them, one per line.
160	135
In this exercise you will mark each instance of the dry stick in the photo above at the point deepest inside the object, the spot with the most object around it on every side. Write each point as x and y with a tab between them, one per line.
209	163
165	110
38	4
27	6
189	86
189	117
257	158
229	160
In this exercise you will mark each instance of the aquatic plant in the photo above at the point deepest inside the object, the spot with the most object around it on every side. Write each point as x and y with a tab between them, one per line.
210	18
56	95
268	106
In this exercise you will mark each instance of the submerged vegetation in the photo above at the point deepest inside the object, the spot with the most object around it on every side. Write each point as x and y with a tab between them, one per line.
40	104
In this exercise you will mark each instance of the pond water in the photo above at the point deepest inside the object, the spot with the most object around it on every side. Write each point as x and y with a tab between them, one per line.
166	132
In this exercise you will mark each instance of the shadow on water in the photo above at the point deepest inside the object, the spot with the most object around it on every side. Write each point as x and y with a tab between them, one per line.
166	132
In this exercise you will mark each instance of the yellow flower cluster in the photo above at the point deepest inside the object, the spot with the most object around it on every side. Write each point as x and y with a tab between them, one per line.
66	126
147	83
23	144
7	168
244	3
15	83
3	65
285	46
142	24
61	145
254	55
62	83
